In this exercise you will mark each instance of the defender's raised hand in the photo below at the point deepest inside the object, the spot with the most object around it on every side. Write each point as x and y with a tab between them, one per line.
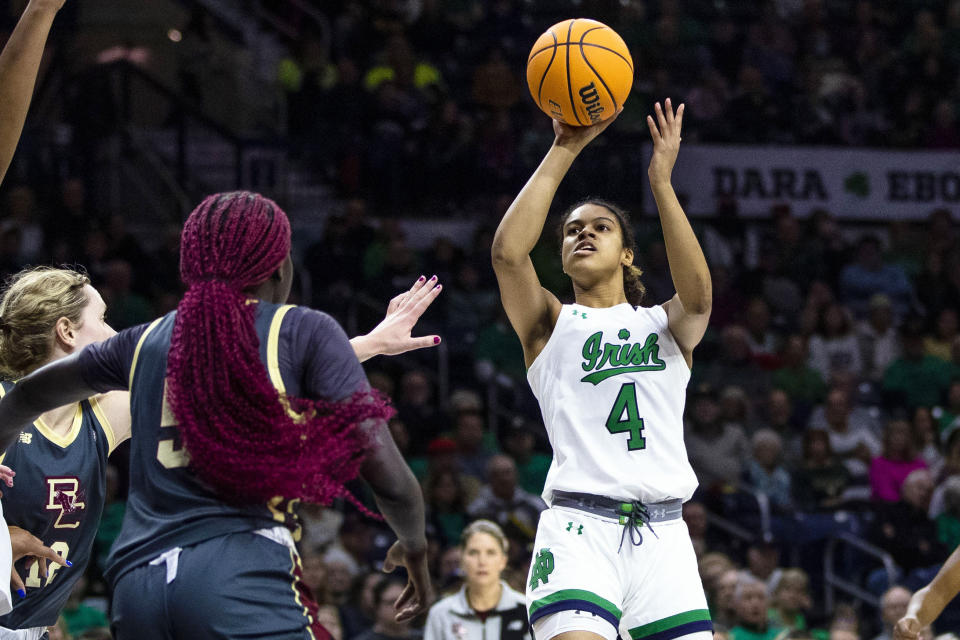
665	132
393	335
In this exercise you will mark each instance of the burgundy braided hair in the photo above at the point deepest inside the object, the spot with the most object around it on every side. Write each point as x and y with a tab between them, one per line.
245	439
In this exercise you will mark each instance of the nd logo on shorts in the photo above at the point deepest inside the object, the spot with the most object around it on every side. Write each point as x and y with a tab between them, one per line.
541	569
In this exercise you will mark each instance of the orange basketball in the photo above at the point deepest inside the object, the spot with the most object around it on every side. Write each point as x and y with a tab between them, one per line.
579	71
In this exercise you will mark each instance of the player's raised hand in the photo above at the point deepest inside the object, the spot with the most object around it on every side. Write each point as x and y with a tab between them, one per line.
394	333
417	596
6	476
907	628
577	138
665	131
23	543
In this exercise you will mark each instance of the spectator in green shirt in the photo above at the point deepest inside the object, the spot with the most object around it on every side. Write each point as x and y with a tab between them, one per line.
499	350
519	441
948	522
791	597
801	382
446	504
752	604
916	379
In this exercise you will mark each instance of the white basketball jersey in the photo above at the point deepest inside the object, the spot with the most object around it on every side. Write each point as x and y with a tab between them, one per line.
612	385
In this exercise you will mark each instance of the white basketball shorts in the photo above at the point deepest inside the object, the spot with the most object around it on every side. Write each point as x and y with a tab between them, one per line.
650	591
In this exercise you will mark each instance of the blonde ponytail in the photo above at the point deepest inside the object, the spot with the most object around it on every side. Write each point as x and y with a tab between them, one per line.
32	302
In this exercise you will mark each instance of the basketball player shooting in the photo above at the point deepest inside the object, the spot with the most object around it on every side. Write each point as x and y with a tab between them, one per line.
612	553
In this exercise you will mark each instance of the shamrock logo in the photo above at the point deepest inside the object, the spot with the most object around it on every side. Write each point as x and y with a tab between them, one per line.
858	184
624	334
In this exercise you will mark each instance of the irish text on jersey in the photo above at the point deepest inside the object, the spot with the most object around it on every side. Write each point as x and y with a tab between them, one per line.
607	359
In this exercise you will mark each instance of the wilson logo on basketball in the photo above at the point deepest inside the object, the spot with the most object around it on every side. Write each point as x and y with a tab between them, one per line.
579	72
591	100
556	110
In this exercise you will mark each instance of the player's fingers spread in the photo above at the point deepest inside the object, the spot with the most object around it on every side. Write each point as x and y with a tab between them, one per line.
409	612
390	563
404	598
661	119
679	117
669	111
412	291
426	290
397	301
426	299
53	556
653	129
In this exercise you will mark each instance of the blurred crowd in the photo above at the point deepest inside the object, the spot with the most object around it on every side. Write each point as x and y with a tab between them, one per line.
413	100
825	398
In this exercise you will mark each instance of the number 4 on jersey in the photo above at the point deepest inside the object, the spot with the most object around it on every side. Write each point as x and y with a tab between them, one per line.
625	417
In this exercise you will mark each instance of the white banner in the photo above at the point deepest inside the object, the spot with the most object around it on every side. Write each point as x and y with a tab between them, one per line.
850	183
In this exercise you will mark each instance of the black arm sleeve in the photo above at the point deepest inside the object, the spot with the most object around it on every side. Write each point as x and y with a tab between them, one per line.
98	368
105	366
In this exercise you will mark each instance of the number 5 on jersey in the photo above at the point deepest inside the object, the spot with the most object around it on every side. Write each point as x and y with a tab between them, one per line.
170	452
625	417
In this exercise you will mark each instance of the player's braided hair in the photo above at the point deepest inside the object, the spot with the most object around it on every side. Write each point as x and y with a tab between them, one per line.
244	438
632	285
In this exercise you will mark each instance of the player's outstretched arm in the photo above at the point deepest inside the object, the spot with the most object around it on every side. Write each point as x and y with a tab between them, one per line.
927	603
400	500
533	310
689	310
19	64
394	334
53	385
